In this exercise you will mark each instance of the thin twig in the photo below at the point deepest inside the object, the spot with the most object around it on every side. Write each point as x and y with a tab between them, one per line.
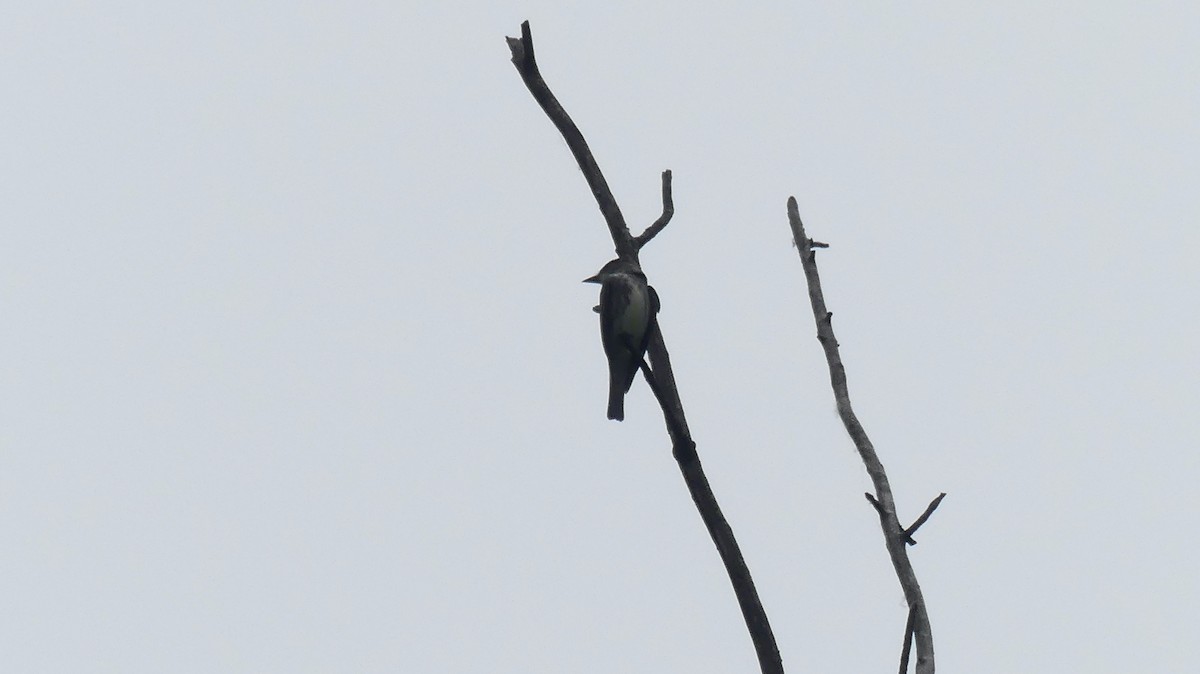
924	517
870	497
660	377
893	534
882	513
906	649
668	211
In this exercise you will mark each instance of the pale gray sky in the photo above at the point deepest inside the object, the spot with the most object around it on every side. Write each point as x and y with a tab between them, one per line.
298	374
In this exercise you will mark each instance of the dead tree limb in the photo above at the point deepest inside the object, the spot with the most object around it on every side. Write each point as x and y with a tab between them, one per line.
895	536
923	518
660	376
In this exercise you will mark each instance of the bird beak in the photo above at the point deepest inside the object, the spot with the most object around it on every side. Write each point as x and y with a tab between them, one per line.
593	279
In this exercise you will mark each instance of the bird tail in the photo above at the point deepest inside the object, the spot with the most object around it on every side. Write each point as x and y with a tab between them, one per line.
616	401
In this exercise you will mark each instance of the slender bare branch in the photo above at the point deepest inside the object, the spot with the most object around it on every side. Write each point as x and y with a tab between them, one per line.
668	211
924	517
684	450
660	376
676	427
894	536
523	59
906	649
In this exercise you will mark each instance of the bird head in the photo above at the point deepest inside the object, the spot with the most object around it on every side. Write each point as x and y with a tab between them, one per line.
617	266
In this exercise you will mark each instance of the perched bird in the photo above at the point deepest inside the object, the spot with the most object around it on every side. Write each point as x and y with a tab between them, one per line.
627	309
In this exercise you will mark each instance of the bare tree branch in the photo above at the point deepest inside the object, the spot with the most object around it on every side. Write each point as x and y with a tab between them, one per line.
661	222
523	59
895	537
879	509
660	377
923	518
906	649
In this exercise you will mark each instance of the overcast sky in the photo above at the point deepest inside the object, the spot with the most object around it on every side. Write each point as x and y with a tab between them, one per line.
297	373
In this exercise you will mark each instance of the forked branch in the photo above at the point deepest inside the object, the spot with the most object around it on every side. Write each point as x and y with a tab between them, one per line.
660	378
895	537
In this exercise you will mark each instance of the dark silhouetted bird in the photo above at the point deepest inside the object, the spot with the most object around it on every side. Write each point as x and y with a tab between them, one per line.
627	314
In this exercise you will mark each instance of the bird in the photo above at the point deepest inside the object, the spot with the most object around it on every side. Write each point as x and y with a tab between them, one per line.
627	318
